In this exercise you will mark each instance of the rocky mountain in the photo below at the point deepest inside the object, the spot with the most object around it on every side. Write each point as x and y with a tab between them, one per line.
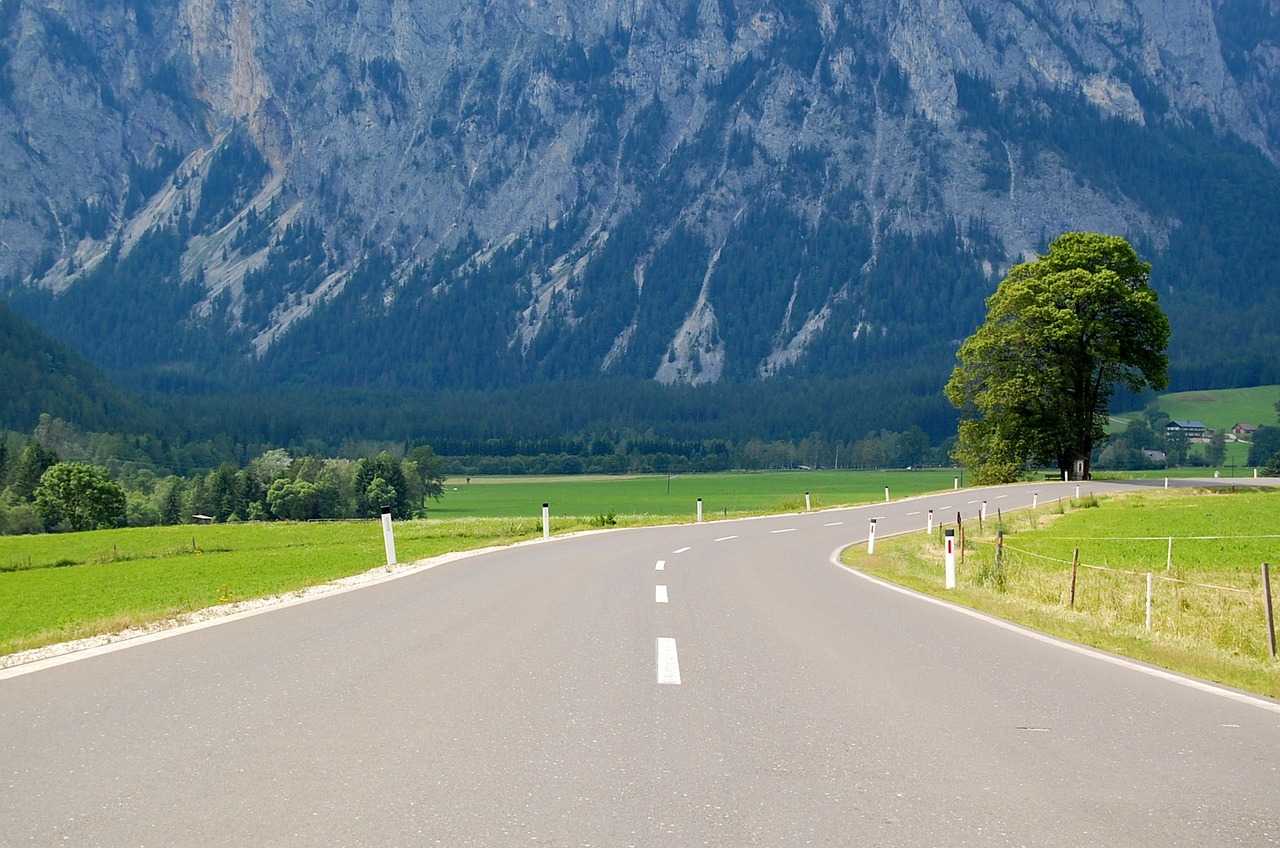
474	194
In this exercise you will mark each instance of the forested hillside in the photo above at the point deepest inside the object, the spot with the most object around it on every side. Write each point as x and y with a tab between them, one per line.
40	375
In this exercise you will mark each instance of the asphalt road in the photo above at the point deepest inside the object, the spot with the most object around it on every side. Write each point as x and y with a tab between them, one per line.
514	700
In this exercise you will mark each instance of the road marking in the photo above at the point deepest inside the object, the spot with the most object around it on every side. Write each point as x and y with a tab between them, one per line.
1001	497
680	550
724	538
971	502
660	594
944	508
668	662
788	530
909	514
660	565
1169	676
833	524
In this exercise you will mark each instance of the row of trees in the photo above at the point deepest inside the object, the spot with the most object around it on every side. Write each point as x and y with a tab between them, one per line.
882	449
39	492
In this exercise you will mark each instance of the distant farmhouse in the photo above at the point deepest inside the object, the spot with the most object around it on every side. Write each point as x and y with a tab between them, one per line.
1156	456
1244	431
1192	429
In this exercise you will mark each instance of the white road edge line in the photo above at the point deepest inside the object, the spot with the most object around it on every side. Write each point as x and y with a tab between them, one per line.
660	565
680	550
724	539
1150	671
788	530
659	594
668	662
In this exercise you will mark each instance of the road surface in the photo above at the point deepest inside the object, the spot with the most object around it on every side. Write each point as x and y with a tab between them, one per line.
530	698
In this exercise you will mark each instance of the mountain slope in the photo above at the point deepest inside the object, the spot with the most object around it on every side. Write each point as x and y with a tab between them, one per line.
451	195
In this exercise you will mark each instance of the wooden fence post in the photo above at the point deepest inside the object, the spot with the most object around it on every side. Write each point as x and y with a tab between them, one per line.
999	557
1075	564
1266	605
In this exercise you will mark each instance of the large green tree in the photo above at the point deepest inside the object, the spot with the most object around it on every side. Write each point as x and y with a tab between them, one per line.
79	497
1035	381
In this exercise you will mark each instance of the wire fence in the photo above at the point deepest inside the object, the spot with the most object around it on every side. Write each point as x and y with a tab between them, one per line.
1184	607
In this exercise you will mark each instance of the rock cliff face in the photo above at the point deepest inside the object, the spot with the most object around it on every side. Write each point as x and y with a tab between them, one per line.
462	193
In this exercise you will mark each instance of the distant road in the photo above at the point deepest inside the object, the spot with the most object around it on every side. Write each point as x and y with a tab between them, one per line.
557	695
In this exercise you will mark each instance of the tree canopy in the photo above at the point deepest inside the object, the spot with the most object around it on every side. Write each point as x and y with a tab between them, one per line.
1034	382
79	497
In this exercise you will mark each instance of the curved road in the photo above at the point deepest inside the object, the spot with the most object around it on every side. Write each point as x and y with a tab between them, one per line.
514	700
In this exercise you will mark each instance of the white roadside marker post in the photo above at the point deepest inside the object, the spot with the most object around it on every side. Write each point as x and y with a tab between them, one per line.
929	529
951	558
1216	475
1255	474
699	510
1077	493
886	494
871	538
1166	482
546	521
388	538
1064	476
955	482
808	504
984	510
1035	500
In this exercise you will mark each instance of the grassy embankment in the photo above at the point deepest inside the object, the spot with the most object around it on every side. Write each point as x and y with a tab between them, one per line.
66	586
1209	633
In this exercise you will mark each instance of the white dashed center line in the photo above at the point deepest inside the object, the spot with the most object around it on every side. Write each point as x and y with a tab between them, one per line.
668	662
680	550
971	502
660	565
660	594
1001	497
788	530
833	524
909	514
724	538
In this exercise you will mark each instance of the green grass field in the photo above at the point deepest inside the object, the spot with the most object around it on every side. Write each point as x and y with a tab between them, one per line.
738	493
69	585
1212	633
1229	472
